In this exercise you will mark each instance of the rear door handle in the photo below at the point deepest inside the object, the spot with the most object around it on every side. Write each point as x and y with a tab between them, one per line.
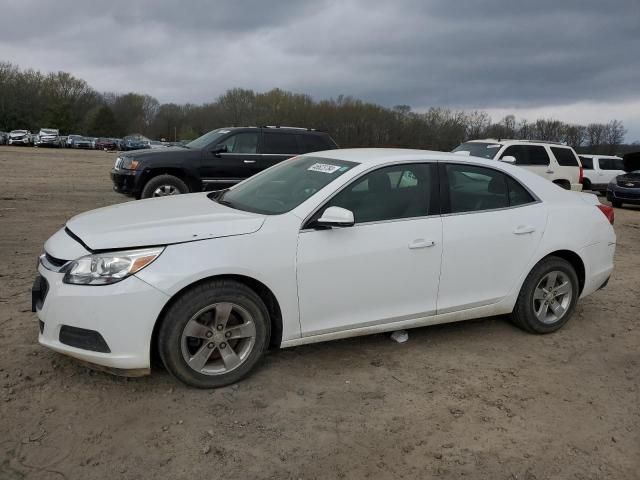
522	229
249	161
421	243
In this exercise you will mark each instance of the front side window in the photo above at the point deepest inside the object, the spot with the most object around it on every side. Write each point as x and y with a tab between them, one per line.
473	188
246	142
565	157
587	162
390	193
284	186
611	163
279	143
527	154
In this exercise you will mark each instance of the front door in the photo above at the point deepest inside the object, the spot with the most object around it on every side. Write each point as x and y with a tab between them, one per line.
240	161
383	269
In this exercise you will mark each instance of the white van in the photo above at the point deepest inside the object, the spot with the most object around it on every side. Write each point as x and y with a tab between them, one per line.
599	170
554	161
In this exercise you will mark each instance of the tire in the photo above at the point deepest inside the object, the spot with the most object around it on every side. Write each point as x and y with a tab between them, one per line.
586	184
209	348
164	183
524	313
616	203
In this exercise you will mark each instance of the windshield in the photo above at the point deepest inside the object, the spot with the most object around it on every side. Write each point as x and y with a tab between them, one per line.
47	131
479	149
18	131
285	186
207	139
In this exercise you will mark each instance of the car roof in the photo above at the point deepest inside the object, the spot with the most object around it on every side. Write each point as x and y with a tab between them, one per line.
510	141
592	155
379	156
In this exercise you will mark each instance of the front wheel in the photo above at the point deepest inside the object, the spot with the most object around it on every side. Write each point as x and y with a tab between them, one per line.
616	203
548	297
214	334
163	186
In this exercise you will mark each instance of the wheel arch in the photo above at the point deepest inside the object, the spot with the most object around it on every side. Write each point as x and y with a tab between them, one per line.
263	291
576	262
192	182
563	182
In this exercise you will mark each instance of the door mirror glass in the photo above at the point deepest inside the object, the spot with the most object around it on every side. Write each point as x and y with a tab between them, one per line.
220	148
508	159
336	217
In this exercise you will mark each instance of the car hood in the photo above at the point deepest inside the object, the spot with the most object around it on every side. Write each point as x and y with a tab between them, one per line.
161	221
631	177
17	134
159	152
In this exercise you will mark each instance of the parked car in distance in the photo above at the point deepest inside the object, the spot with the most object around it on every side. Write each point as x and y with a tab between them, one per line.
324	246
599	170
71	139
156	144
107	144
551	160
135	142
83	142
216	160
49	137
4	138
20	137
625	188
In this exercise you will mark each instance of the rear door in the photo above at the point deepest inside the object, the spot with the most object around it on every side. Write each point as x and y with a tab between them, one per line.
276	147
568	165
491	226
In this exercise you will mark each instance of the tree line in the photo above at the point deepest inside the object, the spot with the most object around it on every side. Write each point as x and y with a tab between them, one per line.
31	100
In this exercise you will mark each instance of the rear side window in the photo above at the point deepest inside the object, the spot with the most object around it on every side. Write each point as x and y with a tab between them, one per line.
565	157
611	164
527	154
279	143
587	162
473	188
312	143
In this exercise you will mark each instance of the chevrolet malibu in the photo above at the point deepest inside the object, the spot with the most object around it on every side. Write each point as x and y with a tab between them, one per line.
323	246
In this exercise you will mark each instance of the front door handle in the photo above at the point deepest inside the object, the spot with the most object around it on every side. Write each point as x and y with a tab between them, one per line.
522	229
421	243
249	161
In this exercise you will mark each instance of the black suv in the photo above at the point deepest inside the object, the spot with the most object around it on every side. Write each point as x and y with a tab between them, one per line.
214	161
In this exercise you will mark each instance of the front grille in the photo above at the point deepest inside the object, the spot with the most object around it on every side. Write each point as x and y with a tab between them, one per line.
628	184
628	195
83	338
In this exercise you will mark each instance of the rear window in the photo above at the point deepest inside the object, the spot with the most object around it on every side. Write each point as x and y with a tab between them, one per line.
565	157
312	143
281	143
587	162
527	154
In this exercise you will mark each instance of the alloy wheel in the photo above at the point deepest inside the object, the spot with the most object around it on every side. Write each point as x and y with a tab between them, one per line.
552	297
165	190
218	338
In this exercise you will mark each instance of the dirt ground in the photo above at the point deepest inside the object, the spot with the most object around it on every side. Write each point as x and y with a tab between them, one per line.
477	399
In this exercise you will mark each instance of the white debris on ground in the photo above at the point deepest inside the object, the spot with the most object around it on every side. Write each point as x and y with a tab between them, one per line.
400	336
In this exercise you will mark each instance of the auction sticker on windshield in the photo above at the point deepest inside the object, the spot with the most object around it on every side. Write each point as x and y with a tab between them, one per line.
324	168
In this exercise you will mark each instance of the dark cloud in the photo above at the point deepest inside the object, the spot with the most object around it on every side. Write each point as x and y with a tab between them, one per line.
465	54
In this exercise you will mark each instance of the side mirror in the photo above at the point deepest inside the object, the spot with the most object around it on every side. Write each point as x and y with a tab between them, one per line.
508	159
220	148
336	217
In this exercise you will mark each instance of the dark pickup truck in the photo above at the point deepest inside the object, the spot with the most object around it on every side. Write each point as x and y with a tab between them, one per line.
216	160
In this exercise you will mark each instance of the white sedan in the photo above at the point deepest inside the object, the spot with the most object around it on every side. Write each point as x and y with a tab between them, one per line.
322	246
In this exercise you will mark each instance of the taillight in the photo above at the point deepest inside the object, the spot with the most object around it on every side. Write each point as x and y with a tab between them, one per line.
608	212
581	177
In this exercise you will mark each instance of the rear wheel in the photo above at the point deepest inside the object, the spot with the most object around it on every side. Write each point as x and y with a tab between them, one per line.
163	186
214	334
548	297
616	203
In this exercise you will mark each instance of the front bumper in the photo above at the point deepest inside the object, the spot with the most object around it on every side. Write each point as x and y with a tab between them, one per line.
621	194
125	182
123	315
23	141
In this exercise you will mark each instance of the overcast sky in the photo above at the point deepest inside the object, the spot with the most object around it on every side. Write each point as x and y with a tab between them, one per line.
576	60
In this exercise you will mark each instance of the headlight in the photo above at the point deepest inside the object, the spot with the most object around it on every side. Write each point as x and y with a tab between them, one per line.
126	163
107	268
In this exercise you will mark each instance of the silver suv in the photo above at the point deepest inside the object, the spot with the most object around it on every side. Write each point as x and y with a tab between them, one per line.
554	161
